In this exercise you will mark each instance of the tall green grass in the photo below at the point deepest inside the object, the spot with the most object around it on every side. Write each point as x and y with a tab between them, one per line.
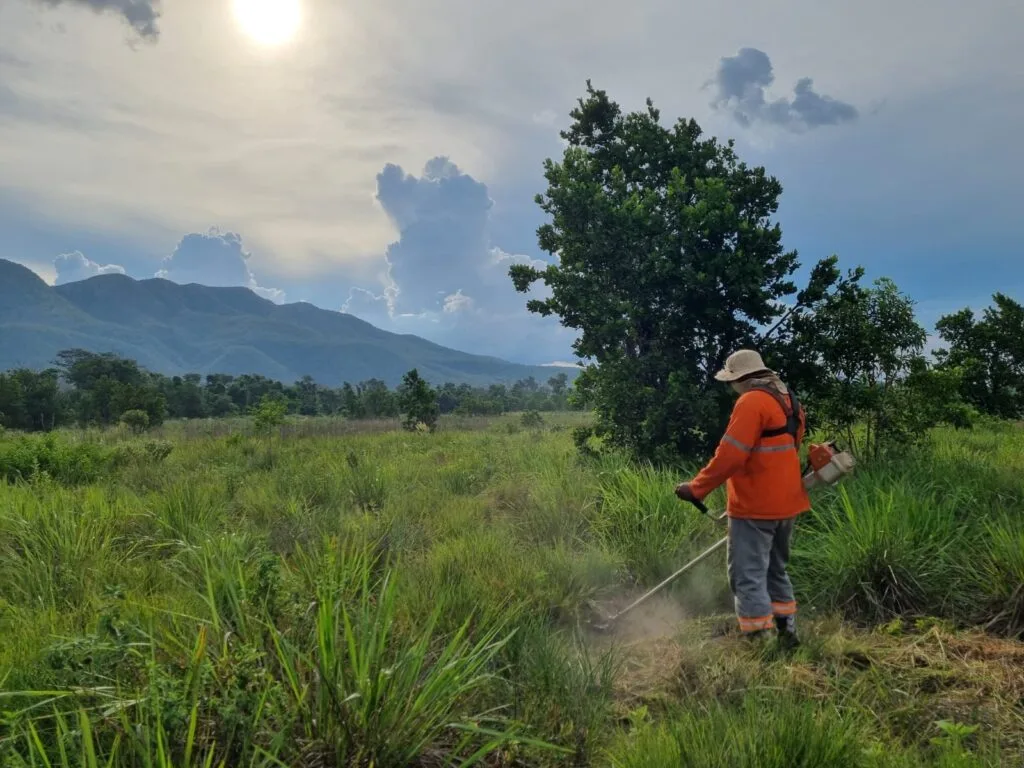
929	537
390	598
878	552
365	697
641	518
771	731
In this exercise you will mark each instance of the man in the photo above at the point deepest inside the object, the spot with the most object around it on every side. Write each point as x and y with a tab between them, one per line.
758	461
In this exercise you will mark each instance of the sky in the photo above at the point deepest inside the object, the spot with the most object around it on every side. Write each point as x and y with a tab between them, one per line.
383	159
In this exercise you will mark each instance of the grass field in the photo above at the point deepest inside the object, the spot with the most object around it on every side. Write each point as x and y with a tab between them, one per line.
340	596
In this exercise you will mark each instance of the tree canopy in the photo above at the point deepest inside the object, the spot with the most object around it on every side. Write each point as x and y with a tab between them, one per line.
989	352
668	259
98	389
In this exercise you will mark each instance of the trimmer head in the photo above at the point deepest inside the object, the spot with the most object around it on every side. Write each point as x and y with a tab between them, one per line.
599	619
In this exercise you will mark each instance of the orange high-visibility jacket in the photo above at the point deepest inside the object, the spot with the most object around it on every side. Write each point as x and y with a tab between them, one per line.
761	474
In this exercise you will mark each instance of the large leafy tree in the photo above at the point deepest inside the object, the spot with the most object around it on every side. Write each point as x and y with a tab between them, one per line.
989	352
106	385
30	400
861	356
668	260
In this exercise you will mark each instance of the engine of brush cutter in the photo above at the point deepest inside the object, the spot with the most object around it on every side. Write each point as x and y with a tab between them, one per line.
827	465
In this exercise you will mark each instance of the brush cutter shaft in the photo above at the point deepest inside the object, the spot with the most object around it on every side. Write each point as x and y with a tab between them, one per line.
717	545
714	547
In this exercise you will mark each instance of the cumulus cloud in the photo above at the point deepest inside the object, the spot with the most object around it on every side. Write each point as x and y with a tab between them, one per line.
216	259
75	266
442	221
458	302
443	259
741	83
141	15
444	278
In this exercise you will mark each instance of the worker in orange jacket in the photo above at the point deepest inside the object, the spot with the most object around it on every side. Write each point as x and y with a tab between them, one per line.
758	461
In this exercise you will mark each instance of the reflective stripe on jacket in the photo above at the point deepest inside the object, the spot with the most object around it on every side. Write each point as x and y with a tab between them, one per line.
761	474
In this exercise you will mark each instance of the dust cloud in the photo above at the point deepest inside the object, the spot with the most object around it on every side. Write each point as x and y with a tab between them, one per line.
702	593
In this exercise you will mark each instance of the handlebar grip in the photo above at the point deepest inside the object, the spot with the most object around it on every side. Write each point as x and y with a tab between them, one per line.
700	507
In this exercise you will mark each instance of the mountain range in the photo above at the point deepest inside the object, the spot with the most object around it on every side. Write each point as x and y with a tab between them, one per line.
175	329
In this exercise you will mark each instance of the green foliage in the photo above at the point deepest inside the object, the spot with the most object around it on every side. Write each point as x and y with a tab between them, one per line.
875	553
67	461
566	686
559	384
1000	576
361	698
989	353
103	388
269	414
766	731
668	260
367	488
532	420
953	734
417	402
643	521
137	421
31	400
107	386
860	353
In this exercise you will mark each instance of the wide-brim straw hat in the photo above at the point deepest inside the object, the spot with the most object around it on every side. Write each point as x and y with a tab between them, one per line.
741	364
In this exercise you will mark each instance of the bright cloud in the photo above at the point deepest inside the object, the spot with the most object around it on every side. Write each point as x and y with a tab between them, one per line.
215	259
74	266
444	276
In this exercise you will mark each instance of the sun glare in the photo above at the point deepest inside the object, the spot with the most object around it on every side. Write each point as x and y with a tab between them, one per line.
269	22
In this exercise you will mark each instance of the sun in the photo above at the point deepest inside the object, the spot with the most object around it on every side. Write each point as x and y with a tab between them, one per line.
269	22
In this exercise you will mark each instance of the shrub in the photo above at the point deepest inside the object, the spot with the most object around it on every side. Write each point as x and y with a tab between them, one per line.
532	420
135	420
418	403
27	457
150	452
269	414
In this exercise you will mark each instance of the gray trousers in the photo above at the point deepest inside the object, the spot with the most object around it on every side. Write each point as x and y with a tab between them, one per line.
757	554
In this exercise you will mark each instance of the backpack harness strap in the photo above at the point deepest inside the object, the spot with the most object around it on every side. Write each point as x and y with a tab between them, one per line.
792	416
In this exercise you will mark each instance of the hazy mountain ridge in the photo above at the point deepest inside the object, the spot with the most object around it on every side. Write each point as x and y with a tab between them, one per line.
175	329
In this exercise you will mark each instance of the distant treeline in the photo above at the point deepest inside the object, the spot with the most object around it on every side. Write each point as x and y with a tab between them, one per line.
85	388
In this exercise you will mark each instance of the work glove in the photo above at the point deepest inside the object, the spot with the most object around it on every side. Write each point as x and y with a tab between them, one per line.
684	492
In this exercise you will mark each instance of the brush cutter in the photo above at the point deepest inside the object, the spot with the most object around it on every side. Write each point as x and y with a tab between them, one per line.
826	465
606	622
